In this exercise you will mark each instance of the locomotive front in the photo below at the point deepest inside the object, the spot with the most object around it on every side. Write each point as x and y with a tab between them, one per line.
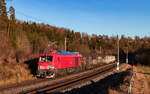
46	67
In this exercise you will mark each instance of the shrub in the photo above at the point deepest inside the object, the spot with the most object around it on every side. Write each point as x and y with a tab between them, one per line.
14	73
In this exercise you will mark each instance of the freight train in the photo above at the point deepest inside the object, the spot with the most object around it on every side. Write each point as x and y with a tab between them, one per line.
51	64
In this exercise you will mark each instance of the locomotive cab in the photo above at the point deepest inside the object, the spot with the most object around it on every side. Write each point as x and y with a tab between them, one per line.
46	66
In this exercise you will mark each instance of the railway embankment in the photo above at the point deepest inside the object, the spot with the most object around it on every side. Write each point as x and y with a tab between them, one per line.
37	83
112	81
130	80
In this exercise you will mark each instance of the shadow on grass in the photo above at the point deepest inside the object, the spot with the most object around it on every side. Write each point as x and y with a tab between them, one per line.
144	73
32	64
112	82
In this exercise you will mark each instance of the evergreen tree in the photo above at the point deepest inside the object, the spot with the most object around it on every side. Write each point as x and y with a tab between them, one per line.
12	21
3	10
3	15
12	13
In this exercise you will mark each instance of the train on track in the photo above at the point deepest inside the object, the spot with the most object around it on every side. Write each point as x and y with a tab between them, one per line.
62	62
51	64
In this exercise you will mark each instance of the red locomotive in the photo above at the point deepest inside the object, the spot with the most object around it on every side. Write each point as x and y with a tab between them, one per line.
50	64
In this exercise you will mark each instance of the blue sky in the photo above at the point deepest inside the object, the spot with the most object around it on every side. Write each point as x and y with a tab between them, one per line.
109	17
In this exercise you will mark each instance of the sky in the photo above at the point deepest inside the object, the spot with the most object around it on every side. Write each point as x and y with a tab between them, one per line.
101	17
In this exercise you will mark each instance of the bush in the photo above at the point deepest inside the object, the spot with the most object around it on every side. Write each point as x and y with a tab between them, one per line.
14	73
142	56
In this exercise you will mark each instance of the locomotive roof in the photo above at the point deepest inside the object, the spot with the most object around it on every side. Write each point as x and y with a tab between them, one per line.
62	52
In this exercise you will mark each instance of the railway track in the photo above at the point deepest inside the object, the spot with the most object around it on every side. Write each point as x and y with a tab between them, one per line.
74	81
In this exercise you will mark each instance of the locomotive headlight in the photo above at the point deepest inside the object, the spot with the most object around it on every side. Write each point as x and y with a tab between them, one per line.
41	67
50	67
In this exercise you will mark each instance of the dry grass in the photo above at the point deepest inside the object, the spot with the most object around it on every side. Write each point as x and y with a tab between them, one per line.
111	91
10	70
146	71
14	73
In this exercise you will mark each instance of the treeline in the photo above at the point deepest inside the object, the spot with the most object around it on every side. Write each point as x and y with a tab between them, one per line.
22	40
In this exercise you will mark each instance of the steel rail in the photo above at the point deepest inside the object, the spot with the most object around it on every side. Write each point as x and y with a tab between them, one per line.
74	81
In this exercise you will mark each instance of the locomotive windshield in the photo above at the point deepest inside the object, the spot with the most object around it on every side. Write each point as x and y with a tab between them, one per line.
46	58
49	58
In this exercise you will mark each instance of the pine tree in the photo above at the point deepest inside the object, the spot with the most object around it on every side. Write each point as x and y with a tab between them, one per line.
3	10
3	15
12	21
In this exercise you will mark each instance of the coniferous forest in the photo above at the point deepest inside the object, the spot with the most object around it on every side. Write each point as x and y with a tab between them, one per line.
20	40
